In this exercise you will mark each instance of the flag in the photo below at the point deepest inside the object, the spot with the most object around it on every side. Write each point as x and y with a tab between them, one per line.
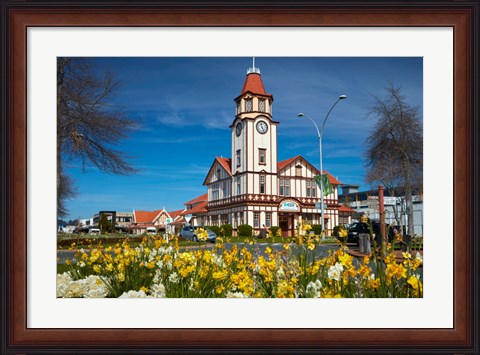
325	181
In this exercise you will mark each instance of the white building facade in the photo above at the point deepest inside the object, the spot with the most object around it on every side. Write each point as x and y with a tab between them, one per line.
254	188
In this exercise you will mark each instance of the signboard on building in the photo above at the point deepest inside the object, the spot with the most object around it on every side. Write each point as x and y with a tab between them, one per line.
169	220
289	206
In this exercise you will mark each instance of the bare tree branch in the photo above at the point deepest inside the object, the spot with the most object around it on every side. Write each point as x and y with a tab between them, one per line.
88	125
395	148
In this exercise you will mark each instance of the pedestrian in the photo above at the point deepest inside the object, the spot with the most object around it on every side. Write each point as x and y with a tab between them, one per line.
264	231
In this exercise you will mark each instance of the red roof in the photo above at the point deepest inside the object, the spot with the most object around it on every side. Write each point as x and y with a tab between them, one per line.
333	181
225	163
179	221
253	84
176	213
284	163
198	199
343	208
145	216
200	208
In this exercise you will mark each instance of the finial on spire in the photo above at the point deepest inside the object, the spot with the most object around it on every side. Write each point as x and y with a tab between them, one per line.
253	69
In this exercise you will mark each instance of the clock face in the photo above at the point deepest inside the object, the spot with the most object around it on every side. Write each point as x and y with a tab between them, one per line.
262	127
238	128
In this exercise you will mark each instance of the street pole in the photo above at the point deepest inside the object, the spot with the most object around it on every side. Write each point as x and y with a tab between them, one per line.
320	136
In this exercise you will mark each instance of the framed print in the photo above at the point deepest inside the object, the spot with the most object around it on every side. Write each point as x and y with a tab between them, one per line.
442	40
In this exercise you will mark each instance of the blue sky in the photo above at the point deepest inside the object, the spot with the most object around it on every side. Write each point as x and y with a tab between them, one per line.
184	107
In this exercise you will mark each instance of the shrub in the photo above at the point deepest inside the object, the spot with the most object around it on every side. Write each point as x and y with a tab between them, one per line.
216	230
244	230
274	230
336	229
316	229
227	230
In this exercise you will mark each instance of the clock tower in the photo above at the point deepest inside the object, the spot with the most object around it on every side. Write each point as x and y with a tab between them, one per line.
254	139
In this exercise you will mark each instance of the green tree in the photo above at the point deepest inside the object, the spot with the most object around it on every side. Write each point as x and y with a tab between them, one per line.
89	125
105	225
395	148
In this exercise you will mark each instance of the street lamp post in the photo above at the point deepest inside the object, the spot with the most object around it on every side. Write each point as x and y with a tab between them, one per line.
320	135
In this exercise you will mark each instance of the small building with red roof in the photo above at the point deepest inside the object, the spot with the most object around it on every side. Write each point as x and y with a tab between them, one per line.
253	187
159	219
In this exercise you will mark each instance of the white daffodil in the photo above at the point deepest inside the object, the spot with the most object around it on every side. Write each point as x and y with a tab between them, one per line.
335	272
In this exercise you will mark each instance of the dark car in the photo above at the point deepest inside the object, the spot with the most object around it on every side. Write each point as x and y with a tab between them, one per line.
190	233
359	227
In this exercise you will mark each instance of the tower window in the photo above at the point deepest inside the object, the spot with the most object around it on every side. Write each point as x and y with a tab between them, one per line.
239	185
239	160
262	184
248	105
261	105
238	107
262	152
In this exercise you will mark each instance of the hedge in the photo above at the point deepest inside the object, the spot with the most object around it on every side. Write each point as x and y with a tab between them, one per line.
274	230
227	230
244	230
317	229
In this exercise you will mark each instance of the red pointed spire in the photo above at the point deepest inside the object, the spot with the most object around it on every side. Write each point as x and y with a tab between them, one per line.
253	84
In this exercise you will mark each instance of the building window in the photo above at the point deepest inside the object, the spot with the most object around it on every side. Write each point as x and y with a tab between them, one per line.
268	219
238	107
248	105
287	187
239	161
224	188
261	105
223	219
311	188
218	174
262	184
298	170
256	220
281	190
214	191
239	185
262	152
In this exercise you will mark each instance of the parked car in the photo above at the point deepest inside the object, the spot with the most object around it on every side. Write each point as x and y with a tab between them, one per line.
94	231
359	227
190	233
151	230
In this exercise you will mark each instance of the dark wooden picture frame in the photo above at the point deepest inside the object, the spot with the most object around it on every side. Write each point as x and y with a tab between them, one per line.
17	16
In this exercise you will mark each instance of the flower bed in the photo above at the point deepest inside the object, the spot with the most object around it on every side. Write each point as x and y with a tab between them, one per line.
156	268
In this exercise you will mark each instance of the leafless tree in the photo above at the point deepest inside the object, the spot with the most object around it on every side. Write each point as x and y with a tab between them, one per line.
395	149
88	124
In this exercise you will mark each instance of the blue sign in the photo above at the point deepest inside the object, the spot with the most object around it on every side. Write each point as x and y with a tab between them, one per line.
289	206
